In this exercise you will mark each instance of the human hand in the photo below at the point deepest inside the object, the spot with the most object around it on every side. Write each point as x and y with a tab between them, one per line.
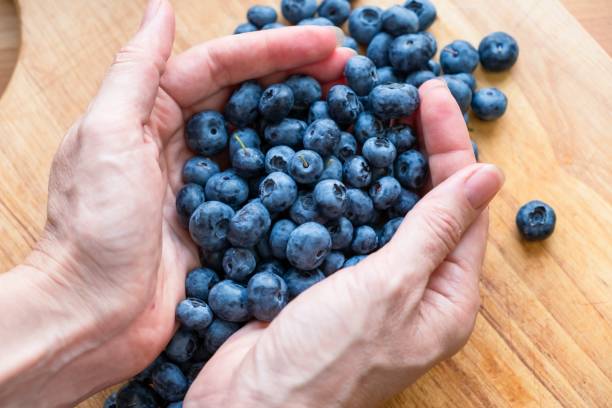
118	252
370	330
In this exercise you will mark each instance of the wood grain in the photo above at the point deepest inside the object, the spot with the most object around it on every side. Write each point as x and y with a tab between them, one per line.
9	40
544	335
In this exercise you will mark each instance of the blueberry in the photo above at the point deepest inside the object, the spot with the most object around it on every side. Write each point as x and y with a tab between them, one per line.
277	192
199	281
354	260
111	401
182	346
360	209
242	107
332	170
297	10
343	104
379	152
229	301
341	232
279	235
498	51
434	66
304	209
318	110
398	20
458	56
394	101
263	248
199	169
536	220
322	136
227	187
337	11
317	21
306	90
418	78
365	240
489	103
364	23
135	394
349	42
378	49
346	147
206	134
211	259
276	102
242	138
404	203
460	91
245	28
330	198
411	169
410	52
425	10
308	246
217	333
388	230
367	126
239	263
386	75
360	73
267	295
306	166
475	149
189	197
249	224
298	281
259	16
289	132
209	224
278	158
248	162
332	263
272	267
194	314
385	192
357	172
402	137
468	79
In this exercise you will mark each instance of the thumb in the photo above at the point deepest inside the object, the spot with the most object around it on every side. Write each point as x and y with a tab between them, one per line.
131	84
437	223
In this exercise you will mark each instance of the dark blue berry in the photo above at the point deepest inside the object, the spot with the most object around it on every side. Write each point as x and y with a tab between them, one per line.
410	52
288	132
308	246
343	104
360	73
349	42
411	169
346	147
267	295
387	75
239	263
136	394
357	172
394	101
489	103
209	224
498	51
198	283
418	78
333	262
337	11
536	220
278	158
199	169
404	203
304	209
242	107
276	102
227	187
206	133
389	230
322	136
306	91
468	79
458	56
182	346
367	126
425	10
360	209
365	240
249	224
277	192
341	232
378	49
398	20
354	260
241	138
259	16
194	314
189	197
248	162
379	152
245	28
279	235
330	198
217	333
385	192
460	91
229	301
297	10
317	21
298	281
318	110
306	166
402	137
332	170
364	23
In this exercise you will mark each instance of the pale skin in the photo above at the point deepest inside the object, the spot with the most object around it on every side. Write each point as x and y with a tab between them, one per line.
94	302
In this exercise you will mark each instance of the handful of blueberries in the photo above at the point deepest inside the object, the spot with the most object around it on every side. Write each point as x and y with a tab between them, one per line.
316	182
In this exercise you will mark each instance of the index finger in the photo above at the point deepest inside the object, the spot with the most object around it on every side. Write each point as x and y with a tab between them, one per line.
205	69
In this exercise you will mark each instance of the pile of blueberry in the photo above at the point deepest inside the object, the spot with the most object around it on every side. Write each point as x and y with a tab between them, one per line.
315	182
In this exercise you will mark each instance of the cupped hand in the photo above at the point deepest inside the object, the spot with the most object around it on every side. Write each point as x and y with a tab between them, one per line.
112	224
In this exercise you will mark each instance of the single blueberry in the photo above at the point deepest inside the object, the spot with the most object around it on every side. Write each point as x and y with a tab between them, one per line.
536	220
346	147
349	42
304	209
489	103
209	224
498	51
341	232
387	75
425	10
249	224
199	281
343	104
410	52
357	172
337	11
242	107
298	281
267	295
245	28
460	91
297	10
288	132
364	23
277	192
278	158
239	263
194	314
330	198
306	166
418	78
354	260
458	56
279	235
411	169
189	197
182	346
306	90
199	169
404	203
360	209
360	73
365	240
227	187
318	110
332	170
379	152
276	102
388	231
378	49
308	246
228	300
206	134
394	101
248	162
136	394
218	332
322	136
332	263
385	192
402	137
242	138
367	126
259	16
398	20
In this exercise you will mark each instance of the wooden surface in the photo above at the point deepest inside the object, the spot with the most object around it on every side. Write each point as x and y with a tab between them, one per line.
9	40
544	335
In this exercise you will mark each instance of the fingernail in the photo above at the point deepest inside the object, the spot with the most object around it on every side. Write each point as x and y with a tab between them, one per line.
339	36
150	12
482	185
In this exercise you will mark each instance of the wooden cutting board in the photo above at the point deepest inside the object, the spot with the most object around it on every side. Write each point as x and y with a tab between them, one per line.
544	335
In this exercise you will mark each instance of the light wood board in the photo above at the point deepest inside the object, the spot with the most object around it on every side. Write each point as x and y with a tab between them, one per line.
544	335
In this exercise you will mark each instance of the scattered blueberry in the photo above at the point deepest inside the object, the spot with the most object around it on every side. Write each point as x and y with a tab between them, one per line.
332	263
227	187
304	209
267	295
367	126
337	11
498	51
379	152
288	132
242	138
365	240
245	28
194	314
182	346
306	166
199	169
404	203
489	103
360	209
410	52
357	172
387	75
346	147
341	232
279	235
425	10
217	333
318	110
249	225
332	170
398	20
354	260
394	101
411	169
460	91
322	136
458	56
276	102
389	230
297	10
206	134
378	49
136	394
277	192
248	162
317	21
364	23
259	16
242	107
298	281
306	90
360	72
536	220
278	158
402	137
418	78
272	26
330	198
385	192
228	300
349	42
